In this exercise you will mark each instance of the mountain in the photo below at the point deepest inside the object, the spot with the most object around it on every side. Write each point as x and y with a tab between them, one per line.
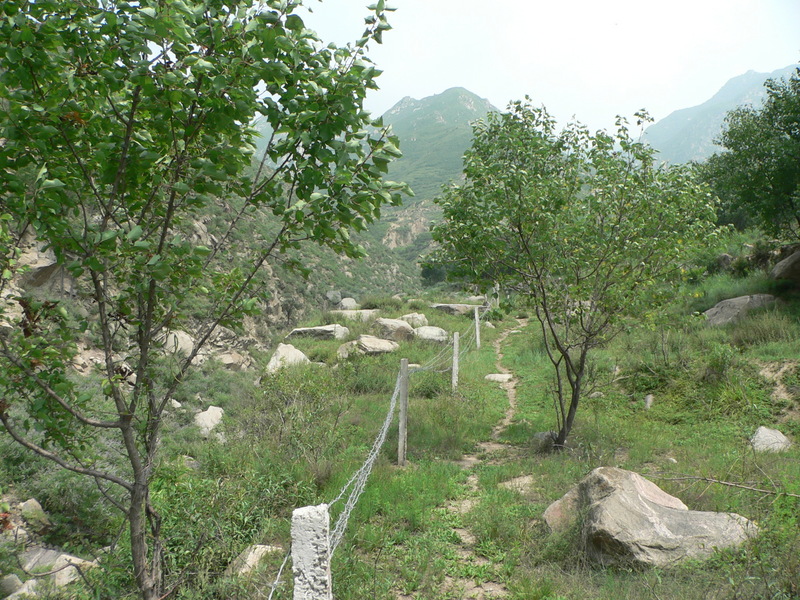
434	134
688	134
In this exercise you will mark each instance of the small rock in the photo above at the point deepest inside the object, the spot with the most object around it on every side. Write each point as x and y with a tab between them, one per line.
394	329
366	344
433	334
286	355
489	325
769	440
648	401
347	304
208	420
249	559
333	296
34	515
596	395
415	319
499	377
174	403
542	442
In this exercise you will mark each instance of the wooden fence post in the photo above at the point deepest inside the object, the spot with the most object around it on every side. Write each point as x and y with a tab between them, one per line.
311	553
454	379
402	438
477	329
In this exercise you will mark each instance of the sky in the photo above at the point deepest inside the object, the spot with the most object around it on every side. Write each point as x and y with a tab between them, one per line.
589	60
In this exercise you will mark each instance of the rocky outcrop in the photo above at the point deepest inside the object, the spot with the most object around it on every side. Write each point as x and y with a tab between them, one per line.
366	344
769	440
628	520
323	332
729	311
432	334
393	329
286	355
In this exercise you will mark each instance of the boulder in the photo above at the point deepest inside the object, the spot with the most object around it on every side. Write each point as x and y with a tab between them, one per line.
631	521
177	342
34	515
286	355
40	267
333	296
67	568
28	590
433	334
249	559
393	329
788	268
9	584
499	377
233	361
208	420
729	311
542	441
323	332
366	344
347	304
362	315
456	309
415	319
724	261
769	440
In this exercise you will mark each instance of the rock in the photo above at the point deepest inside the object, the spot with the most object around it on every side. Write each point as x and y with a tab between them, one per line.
415	319
499	377
456	309
233	361
249	559
42	271
477	300
631	521
648	401
363	315
489	325
286	355
433	334
347	304
27	590
66	569
596	395
366	344
724	261
733	309
34	515
788	268
9	584
39	559
323	332
208	420
769	440
177	342
542	441
393	329
174	403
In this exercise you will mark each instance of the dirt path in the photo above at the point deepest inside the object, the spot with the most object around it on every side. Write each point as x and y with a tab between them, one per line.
491	451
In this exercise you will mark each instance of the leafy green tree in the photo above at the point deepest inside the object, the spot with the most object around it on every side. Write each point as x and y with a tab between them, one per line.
758	176
123	124
583	226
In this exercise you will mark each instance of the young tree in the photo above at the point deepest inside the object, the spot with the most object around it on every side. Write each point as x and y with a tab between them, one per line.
123	123
583	226
759	173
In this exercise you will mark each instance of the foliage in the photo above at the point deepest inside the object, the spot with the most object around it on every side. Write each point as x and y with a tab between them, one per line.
759	174
583	226
123	123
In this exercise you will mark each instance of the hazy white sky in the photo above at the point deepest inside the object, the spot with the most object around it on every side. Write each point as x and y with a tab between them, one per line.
592	59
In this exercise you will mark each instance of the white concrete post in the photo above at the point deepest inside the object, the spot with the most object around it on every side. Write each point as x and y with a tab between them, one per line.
454	379
311	553
402	437
477	329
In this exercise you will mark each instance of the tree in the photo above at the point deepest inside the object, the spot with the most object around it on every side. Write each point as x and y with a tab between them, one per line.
124	123
758	174
583	226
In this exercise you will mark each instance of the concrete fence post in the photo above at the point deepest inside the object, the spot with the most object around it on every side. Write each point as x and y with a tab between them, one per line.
477	329
402	437
454	379
311	553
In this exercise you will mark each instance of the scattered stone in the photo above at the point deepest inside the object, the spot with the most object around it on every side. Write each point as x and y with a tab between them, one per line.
174	403
631	521
415	319
366	344
596	395
333	296
499	377
542	441
347	304
249	559
648	401
233	361
769	440
34	515
393	329
286	355
38	559
9	584
322	332
788	268
729	311
456	309
208	420
489	325
433	334
363	315
67	568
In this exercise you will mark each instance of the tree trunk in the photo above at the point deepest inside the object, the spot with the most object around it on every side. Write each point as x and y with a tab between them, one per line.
145	581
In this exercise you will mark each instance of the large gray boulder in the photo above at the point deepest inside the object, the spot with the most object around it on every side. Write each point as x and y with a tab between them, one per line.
208	420
286	355
366	344
788	268
393	329
729	311
456	309
769	440
432	334
347	304
322	332
628	520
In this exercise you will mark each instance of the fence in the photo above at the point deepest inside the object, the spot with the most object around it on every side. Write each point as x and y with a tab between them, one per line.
313	543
